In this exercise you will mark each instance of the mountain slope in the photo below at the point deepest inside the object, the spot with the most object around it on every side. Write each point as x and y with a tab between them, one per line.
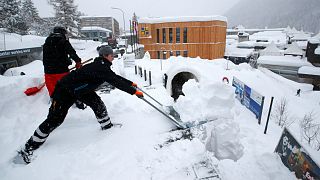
302	14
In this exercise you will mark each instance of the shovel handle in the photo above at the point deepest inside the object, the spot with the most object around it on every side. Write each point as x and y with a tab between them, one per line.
149	96
168	116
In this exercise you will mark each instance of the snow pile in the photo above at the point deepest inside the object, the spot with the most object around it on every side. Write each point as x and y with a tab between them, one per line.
225	142
205	101
34	69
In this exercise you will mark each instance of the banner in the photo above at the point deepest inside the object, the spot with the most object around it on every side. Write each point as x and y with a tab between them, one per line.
249	98
296	158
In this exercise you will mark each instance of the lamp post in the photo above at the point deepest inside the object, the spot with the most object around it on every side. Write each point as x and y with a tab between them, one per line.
124	22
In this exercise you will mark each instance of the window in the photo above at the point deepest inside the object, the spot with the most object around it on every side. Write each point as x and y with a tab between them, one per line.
158	35
185	53
185	35
170	35
177	35
158	54
178	53
163	35
95	34
171	53
103	34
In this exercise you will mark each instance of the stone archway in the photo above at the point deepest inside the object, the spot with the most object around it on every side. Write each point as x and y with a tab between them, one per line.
178	81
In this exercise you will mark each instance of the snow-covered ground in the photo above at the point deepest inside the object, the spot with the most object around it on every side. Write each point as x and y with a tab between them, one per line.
144	148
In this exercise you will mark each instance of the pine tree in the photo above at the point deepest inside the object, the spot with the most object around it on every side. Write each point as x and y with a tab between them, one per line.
10	16
30	15
67	15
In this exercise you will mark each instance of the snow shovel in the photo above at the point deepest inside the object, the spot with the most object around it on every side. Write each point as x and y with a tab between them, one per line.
173	115
36	89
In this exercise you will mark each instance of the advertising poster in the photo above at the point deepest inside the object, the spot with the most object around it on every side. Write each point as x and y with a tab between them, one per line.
294	156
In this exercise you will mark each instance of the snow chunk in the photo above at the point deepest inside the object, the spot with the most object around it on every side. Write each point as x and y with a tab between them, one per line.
224	141
205	101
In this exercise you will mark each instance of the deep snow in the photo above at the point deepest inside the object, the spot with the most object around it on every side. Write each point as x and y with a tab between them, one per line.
78	149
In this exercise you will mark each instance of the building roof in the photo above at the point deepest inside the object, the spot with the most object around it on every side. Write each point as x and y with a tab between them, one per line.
94	28
271	50
294	49
155	20
283	61
309	70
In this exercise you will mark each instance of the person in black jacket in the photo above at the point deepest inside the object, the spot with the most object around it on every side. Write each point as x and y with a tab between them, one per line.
80	84
57	52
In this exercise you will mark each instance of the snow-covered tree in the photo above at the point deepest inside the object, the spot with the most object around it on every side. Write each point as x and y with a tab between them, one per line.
67	15
30	15
10	14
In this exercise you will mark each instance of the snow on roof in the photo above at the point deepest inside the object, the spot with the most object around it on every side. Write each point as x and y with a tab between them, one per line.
278	37
246	44
95	28
309	70
271	50
283	61
238	52
294	49
317	51
154	20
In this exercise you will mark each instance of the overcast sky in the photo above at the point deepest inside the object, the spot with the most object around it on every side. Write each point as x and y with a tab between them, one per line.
144	8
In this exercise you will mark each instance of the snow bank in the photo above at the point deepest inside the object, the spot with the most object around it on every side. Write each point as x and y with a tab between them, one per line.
225	142
205	101
34	68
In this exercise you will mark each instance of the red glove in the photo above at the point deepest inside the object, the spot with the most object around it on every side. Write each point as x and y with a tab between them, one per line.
134	85
139	94
78	65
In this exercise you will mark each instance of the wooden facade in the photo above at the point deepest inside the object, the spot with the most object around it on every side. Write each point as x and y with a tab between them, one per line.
206	39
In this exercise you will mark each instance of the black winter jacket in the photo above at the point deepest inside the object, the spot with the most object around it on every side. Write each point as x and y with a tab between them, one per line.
89	77
56	50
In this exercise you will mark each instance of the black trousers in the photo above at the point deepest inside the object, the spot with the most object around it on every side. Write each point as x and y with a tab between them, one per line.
62	101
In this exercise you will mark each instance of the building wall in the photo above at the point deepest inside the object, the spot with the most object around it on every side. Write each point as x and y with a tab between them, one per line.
104	22
205	39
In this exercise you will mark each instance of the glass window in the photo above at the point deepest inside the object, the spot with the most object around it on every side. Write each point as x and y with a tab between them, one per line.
103	34
158	54
185	53
163	35
185	35
177	53
171	53
177	35
170	35
95	34
158	35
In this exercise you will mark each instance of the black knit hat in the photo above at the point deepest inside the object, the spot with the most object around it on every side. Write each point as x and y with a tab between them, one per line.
60	29
105	50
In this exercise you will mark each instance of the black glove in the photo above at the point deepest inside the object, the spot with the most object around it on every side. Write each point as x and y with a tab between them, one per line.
80	105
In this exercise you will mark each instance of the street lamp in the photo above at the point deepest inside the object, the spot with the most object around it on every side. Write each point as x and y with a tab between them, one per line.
124	22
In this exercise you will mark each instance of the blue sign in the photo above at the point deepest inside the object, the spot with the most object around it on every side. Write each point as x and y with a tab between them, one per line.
249	98
296	158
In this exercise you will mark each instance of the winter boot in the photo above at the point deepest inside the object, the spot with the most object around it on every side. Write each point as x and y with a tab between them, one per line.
23	157
106	126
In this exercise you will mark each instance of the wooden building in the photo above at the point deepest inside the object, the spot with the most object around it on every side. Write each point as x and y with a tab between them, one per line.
184	36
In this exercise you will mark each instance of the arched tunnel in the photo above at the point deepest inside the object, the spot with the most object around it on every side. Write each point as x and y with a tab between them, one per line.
178	81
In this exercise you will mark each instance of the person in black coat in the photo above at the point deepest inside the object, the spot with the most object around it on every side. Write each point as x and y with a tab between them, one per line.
80	84
57	52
